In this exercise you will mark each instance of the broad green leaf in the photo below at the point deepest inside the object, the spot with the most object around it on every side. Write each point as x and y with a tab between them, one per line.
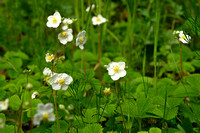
63	127
155	130
14	102
93	128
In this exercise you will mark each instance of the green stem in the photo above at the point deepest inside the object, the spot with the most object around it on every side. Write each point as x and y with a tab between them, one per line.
156	26
54	94
140	124
99	52
181	61
116	87
30	103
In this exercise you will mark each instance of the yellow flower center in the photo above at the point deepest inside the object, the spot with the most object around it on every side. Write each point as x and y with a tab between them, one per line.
81	39
50	57
116	68
183	37
98	19
45	116
4	104
61	81
107	91
54	20
64	34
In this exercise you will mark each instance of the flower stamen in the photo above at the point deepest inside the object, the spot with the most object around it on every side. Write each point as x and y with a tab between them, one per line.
64	34
50	57
98	19
54	20
61	81
45	116
82	39
116	68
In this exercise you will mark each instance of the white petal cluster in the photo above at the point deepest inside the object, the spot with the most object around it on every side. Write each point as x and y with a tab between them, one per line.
44	112
97	20
88	8
81	39
49	57
47	72
65	36
54	20
34	95
66	22
4	105
184	38
60	81
116	70
107	91
175	32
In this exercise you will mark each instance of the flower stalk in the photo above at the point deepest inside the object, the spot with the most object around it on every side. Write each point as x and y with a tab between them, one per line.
116	87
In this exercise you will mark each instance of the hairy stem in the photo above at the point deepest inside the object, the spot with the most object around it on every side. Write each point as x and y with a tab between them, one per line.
99	53
116	87
181	62
54	94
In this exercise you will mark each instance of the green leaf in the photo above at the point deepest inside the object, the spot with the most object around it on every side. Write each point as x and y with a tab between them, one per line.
8	129
14	102
92	116
42	129
19	54
63	127
155	130
93	128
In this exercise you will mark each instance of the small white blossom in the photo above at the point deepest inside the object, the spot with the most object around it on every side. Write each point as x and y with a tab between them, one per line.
98	20
47	72
60	81
54	20
34	95
88	8
67	21
49	57
65	27
44	112
2	123
81	39
4	105
107	91
184	38
65	36
175	32
116	70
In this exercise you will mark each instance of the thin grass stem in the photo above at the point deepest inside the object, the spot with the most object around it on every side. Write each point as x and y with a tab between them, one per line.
116	87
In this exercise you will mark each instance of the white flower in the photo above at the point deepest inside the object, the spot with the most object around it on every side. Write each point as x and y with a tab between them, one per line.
65	36
175	32
65	27
4	105
116	70
34	95
2	123
184	38
49	57
54	20
47	72
107	91
44	112
67	21
88	8
60	81
81	39
98	20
